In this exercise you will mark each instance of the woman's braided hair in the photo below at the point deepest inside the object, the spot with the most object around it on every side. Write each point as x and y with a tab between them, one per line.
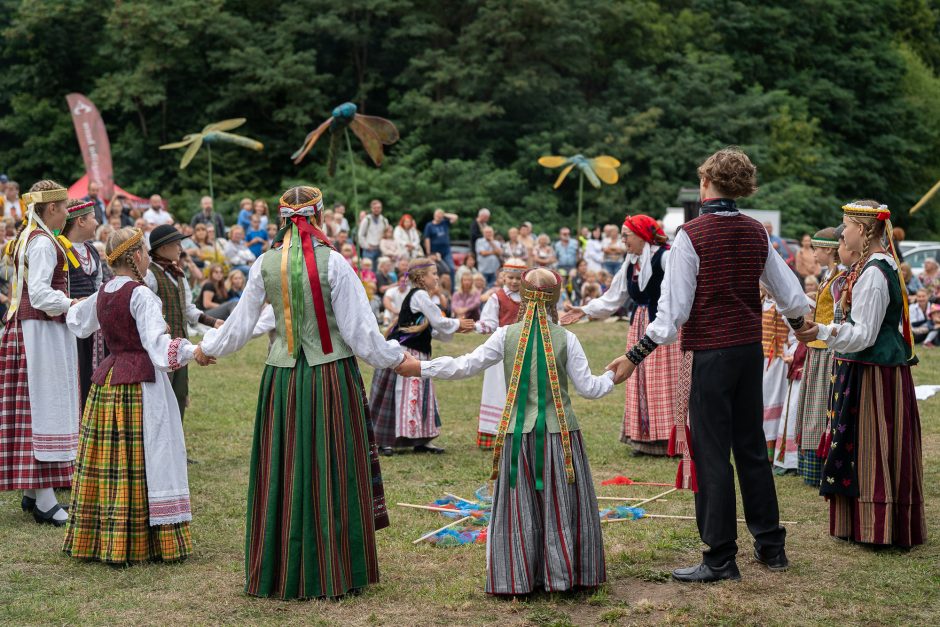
126	260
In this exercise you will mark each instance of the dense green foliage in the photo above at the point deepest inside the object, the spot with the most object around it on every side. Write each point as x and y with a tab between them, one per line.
834	99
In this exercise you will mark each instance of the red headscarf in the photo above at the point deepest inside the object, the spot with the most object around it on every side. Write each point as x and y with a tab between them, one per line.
646	228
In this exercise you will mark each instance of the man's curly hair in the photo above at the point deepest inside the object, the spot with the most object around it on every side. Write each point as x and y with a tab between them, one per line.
731	172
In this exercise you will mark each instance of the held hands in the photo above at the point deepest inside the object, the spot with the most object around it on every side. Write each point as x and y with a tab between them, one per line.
571	316
807	332
409	367
201	358
466	326
219	323
622	368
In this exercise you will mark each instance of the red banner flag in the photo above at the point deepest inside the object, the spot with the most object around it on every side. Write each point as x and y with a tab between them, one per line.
93	140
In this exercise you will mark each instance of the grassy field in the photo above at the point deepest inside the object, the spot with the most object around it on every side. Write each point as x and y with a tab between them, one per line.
829	582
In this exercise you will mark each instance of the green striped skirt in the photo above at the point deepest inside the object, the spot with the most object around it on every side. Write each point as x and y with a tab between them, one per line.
315	494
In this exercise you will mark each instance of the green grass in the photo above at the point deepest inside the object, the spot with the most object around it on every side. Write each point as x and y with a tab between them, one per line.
829	582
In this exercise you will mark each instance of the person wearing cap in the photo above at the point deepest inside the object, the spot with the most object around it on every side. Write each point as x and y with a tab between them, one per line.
650	411
813	403
500	310
405	411
84	280
873	474
315	490
167	279
39	403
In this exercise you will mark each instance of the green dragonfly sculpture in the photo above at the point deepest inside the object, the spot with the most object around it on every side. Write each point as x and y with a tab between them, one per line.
211	134
596	170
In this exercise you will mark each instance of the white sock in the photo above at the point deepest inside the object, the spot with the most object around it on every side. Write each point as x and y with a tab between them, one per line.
29	494
45	500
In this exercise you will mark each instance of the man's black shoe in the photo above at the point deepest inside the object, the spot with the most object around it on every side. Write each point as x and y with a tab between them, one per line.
778	562
703	573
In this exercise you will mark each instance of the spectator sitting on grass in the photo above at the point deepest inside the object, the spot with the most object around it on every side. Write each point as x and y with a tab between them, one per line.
237	254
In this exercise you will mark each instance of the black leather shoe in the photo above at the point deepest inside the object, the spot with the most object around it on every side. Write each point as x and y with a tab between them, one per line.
28	503
387	451
48	518
427	448
703	573
778	562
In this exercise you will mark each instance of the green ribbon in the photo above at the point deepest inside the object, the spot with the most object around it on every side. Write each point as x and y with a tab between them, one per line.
297	277
535	343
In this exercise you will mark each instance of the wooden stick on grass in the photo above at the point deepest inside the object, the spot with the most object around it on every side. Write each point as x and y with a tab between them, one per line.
624	498
740	520
437	531
430	508
657	497
459	498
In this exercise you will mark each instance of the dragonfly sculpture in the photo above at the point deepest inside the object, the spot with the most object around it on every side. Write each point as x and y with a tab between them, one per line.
374	132
597	170
211	134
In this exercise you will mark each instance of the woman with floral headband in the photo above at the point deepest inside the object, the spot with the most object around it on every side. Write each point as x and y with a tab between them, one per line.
130	499
873	472
545	529
404	409
650	411
39	407
315	493
500	310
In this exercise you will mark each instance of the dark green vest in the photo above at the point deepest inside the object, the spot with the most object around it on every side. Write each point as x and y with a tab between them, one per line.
173	298
560	347
309	334
889	348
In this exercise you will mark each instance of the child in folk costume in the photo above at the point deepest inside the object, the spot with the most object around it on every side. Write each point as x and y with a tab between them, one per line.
38	361
545	530
315	493
785	457
649	414
84	280
130	499
500	310
873	473
775	340
817	372
404	409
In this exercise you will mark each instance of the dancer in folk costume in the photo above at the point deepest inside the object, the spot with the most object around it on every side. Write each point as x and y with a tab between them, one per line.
130	499
545	529
775	340
715	298
649	414
404	409
500	310
315	492
84	280
38	360
873	473
817	373
786	459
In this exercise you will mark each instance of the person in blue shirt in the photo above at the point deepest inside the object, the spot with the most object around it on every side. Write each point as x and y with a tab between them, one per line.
255	236
245	212
437	237
567	251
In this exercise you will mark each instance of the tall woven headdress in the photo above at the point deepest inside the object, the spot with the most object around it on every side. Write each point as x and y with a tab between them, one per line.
535	355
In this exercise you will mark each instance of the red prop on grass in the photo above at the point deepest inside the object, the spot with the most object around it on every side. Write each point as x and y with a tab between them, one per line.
621	480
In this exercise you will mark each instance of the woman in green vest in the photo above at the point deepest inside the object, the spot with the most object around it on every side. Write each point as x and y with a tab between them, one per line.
545	532
873	473
315	494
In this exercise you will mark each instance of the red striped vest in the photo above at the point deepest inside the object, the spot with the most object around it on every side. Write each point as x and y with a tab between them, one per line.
732	251
60	282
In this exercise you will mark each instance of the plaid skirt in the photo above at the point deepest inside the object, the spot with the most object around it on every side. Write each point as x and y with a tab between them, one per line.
810	468
486	441
814	399
315	492
19	468
407	406
549	539
650	407
109	516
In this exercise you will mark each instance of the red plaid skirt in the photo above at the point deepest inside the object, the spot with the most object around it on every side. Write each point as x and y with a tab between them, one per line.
19	468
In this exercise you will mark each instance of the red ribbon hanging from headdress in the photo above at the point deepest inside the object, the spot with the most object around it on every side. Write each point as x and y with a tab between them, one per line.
307	233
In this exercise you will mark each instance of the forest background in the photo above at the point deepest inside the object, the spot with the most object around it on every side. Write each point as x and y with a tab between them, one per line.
833	99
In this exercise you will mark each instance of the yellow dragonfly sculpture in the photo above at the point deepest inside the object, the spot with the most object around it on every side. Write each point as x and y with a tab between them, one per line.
595	170
211	134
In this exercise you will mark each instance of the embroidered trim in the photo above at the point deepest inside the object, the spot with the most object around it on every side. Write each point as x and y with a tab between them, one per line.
641	350
173	353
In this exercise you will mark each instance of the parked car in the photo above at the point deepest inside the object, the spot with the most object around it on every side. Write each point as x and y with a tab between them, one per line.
915	256
458	250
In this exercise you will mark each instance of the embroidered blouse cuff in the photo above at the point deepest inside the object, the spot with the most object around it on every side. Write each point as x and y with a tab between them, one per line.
641	350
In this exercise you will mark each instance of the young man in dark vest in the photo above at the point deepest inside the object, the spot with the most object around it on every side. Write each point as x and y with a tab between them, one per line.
167	279
84	280
711	290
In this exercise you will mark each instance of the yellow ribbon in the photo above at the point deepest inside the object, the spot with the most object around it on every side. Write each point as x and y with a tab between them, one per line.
285	296
69	255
